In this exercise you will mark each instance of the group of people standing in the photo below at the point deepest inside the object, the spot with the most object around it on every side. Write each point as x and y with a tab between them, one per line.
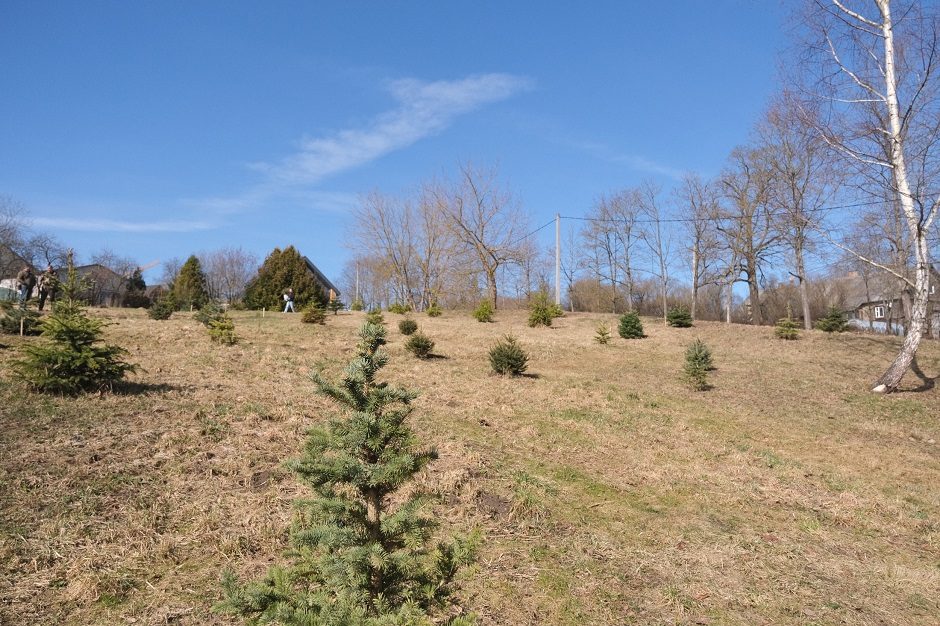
48	285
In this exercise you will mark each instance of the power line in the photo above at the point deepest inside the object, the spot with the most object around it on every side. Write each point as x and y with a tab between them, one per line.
539	229
695	219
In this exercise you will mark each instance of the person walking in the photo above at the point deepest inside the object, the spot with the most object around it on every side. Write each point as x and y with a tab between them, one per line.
27	281
289	301
48	286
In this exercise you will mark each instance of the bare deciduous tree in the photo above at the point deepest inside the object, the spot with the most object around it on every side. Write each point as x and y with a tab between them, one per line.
697	200
658	239
484	217
877	81
804	179
227	272
746	222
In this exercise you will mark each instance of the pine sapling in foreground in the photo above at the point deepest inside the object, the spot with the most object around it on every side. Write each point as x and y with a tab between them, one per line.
357	558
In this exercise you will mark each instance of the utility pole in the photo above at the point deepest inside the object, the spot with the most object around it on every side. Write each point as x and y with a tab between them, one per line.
357	282
558	259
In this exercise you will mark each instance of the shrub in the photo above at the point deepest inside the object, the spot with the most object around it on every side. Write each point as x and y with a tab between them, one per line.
698	361
419	345
787	327
508	357
679	317
630	326
162	308
313	313
540	310
700	354
407	326
602	336
556	310
484	311
434	310
335	306
834	322
222	330
357	305
14	318
364	549
210	311
74	359
399	309
375	317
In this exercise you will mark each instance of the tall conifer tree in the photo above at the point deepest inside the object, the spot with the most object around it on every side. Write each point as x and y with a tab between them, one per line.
356	558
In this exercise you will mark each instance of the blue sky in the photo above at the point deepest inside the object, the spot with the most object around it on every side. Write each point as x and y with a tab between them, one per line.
160	129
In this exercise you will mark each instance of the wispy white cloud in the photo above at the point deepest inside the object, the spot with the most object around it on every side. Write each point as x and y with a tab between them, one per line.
632	161
118	226
424	108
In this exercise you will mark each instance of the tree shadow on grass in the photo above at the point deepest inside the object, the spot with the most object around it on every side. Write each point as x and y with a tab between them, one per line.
926	382
128	388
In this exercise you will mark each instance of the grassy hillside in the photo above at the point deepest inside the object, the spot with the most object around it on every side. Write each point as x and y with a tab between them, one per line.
607	491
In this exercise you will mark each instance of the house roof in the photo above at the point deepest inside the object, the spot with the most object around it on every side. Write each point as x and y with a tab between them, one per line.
10	262
880	287
320	276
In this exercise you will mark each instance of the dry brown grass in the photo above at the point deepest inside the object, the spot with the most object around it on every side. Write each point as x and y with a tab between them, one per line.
606	490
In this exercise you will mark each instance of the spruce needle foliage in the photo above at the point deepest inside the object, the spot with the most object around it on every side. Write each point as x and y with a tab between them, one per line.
222	330
356	559
630	326
420	345
434	310
541	311
508	357
834	322
162	308
786	327
484	311
679	317
698	361
407	326
314	313
602	335
13	318
74	359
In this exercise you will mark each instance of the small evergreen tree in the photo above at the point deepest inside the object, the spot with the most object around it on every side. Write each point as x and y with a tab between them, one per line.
679	317
834	322
136	294
698	361
484	311
189	287
313	314
162	308
73	360
630	326
602	336
357	305
212	310
14	319
375	317
700	354
508	357
399	309
420	345
222	330
357	558
407	326
335	306
786	327
434	310
540	310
